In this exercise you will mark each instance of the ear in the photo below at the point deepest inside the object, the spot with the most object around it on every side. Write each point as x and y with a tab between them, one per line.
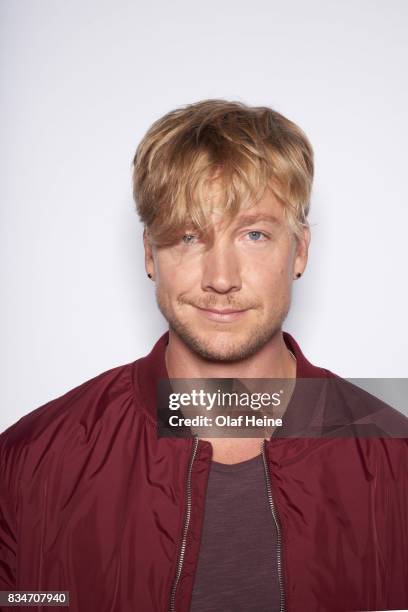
302	251
148	249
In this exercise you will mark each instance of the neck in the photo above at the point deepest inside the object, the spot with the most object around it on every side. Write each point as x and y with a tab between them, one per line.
273	360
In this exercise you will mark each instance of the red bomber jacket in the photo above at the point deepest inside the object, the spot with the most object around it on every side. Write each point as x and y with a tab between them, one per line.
94	503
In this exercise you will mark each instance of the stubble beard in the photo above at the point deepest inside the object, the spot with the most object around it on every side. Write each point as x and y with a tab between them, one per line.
231	350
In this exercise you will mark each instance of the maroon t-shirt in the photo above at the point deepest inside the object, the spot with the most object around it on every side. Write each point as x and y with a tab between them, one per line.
237	564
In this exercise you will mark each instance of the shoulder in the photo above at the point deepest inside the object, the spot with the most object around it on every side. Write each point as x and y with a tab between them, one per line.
353	408
76	411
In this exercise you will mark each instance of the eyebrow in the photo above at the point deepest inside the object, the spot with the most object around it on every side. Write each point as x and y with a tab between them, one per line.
255	218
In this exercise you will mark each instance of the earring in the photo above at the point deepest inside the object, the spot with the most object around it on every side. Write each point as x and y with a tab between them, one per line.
149	275
298	275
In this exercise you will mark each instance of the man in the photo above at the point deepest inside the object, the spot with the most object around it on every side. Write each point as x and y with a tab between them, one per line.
94	502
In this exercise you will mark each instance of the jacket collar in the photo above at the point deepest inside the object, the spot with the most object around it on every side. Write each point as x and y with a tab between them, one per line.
149	369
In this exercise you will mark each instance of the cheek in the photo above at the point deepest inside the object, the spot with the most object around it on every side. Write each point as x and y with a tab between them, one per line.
175	265
278	284
270	287
175	279
268	275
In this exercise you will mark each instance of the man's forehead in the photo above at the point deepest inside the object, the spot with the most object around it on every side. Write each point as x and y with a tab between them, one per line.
254	217
268	210
255	200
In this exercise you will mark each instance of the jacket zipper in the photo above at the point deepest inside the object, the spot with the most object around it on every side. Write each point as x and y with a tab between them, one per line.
278	527
185	527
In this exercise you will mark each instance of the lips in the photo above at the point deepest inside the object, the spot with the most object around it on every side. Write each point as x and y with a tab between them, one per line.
223	315
217	311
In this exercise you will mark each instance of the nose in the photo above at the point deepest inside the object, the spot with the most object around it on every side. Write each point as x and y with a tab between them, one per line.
220	269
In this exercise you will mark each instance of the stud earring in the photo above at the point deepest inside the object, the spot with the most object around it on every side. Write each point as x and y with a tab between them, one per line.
298	275
149	275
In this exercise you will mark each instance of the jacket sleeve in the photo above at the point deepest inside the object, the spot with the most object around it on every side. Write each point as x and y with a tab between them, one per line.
8	527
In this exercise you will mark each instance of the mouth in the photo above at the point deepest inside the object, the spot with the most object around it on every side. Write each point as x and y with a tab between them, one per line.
222	315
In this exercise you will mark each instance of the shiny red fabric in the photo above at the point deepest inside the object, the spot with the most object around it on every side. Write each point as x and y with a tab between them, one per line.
91	502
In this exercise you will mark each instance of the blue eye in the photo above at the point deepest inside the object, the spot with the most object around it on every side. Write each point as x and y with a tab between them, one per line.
255	235
188	238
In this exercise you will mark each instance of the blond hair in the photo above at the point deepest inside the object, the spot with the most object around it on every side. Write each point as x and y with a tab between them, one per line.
248	148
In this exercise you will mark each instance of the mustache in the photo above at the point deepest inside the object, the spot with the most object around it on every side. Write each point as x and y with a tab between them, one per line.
212	302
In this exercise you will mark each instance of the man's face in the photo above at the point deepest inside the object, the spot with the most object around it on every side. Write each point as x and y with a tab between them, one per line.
225	300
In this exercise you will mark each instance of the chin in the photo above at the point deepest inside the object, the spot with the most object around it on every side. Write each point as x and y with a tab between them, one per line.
224	353
230	354
218	347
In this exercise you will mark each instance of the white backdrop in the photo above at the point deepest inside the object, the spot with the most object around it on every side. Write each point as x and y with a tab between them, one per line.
82	80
